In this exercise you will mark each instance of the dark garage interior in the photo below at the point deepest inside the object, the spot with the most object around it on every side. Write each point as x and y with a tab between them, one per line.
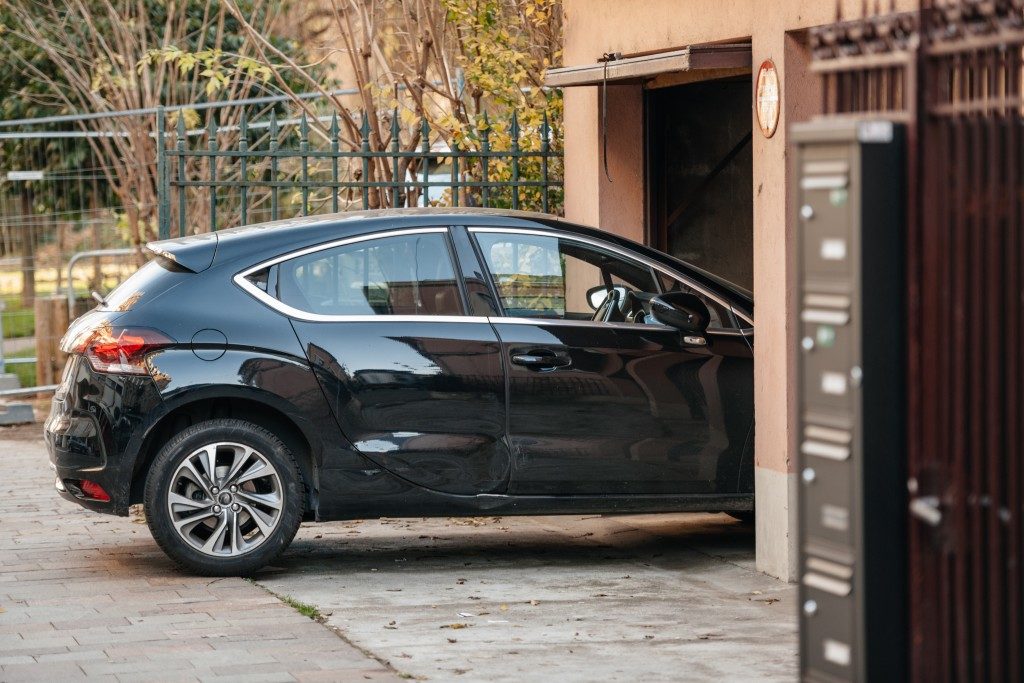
700	173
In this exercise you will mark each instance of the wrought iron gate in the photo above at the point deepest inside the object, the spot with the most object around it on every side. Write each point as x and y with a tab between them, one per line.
954	71
228	175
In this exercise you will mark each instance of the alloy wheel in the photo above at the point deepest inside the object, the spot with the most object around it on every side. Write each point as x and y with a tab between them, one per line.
225	499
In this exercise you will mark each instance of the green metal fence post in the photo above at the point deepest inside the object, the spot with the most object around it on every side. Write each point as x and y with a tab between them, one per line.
514	134
425	159
395	149
273	165
211	142
455	172
162	205
334	162
364	147
243	174
545	148
485	153
182	147
304	152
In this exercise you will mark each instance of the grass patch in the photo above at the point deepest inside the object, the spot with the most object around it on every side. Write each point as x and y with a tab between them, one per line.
18	321
307	610
302	608
26	372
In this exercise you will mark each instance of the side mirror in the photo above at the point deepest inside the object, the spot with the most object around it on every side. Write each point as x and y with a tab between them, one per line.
681	310
596	296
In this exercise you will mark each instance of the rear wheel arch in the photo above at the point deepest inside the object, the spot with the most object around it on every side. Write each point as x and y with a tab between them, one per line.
272	418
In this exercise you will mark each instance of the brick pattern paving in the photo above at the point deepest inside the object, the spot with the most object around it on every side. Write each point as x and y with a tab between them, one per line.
91	596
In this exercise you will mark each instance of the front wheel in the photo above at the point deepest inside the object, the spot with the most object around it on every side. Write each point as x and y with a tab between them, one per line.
224	498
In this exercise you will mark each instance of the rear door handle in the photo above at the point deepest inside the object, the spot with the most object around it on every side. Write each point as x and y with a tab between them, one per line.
541	359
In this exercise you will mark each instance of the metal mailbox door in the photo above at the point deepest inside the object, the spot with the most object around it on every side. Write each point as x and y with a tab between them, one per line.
849	203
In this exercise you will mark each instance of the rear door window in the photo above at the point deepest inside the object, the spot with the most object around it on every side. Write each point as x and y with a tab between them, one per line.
397	275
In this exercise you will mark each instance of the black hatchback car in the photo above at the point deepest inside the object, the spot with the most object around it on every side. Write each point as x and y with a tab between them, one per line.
402	363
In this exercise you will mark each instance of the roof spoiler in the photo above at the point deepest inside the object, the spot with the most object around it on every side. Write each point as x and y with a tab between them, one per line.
195	253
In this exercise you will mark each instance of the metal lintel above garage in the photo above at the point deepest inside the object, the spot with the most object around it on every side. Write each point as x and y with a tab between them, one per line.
694	59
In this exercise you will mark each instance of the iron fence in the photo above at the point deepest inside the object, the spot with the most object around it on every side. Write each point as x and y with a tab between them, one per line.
222	176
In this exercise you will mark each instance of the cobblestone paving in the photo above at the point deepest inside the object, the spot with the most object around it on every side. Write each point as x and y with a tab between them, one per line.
88	595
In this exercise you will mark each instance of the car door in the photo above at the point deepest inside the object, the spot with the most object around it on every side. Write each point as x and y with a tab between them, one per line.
626	405
416	385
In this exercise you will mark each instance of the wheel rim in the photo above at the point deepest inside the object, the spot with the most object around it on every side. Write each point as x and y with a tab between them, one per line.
225	499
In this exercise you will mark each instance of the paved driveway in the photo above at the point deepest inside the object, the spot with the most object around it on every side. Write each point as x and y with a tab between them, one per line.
654	598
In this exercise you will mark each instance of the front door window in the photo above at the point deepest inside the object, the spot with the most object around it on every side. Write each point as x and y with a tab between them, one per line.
539	276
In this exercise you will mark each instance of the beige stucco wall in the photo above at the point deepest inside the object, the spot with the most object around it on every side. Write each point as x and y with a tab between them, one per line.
593	27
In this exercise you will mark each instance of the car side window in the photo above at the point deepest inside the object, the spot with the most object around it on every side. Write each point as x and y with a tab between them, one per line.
540	276
398	275
721	317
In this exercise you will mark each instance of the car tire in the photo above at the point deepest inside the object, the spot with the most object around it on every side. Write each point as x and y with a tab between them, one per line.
229	531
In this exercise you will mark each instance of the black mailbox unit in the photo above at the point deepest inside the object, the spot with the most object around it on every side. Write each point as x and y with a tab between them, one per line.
848	203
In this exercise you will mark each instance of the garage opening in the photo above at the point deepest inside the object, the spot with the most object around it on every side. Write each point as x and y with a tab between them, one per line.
700	174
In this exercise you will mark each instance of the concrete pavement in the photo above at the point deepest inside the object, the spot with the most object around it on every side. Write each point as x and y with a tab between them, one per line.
655	598
646	597
87	595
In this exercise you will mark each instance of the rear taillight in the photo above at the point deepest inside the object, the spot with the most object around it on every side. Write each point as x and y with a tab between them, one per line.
116	349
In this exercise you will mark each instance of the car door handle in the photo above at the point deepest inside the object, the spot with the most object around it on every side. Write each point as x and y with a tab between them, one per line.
541	359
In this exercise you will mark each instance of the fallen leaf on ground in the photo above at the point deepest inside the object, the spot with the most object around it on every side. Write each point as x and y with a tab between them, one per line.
456	625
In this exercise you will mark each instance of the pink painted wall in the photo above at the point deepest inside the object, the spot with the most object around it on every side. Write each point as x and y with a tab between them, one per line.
593	27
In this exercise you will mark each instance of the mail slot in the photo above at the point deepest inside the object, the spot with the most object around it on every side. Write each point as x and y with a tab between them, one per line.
850	225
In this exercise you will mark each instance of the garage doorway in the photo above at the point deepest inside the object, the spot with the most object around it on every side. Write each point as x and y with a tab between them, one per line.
700	174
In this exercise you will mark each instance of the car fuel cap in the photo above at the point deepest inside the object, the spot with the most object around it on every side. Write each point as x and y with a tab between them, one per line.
209	344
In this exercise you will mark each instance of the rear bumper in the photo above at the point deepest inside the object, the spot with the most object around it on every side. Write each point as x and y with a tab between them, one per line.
93	433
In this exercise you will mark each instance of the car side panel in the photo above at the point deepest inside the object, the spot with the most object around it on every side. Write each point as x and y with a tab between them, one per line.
424	400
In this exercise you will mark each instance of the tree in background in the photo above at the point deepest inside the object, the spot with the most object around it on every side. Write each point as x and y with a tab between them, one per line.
466	66
107	56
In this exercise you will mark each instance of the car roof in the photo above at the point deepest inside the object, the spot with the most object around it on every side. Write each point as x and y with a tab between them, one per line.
253	243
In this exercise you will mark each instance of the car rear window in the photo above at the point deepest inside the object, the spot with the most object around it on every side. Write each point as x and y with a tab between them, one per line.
397	275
